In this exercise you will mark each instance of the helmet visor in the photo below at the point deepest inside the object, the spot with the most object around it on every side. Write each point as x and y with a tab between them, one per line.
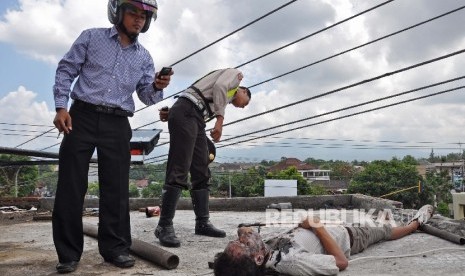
143	5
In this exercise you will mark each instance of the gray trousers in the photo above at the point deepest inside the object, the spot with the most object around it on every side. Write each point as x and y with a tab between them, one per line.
362	237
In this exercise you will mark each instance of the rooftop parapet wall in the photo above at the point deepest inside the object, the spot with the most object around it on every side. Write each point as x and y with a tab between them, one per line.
347	201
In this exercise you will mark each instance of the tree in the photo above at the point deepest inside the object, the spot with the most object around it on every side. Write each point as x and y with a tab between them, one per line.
14	179
438	185
383	177
341	170
154	189
133	191
93	189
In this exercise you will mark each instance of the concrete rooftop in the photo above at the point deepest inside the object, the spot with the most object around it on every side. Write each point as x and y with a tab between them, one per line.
26	248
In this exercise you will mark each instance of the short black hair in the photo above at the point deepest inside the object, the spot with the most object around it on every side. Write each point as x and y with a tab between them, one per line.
226	265
247	90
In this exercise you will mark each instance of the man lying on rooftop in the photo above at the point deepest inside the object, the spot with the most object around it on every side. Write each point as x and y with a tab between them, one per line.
310	249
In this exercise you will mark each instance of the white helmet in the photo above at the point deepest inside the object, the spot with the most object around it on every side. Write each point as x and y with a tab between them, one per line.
115	13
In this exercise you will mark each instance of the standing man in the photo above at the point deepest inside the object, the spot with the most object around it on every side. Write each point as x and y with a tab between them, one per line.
111	64
206	99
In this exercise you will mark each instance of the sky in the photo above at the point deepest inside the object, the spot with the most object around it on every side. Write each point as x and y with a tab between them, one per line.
321	111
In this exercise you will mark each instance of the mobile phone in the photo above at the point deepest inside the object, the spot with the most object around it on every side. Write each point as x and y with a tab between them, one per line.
164	71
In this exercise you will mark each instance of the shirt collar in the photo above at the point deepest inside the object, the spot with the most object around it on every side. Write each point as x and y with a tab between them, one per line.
114	33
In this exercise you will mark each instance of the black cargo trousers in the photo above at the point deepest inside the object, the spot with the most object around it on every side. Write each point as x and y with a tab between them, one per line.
188	152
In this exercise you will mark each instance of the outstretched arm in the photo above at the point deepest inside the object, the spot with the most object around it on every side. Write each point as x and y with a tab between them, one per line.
328	242
217	130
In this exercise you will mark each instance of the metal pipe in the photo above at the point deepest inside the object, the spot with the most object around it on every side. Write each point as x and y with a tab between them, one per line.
143	249
442	234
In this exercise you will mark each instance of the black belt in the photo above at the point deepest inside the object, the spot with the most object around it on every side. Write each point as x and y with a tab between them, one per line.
103	109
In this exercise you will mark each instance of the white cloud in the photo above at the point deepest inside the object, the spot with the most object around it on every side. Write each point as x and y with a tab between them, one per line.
45	29
23	118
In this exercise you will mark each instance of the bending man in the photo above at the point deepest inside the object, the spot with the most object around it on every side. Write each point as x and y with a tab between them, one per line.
204	100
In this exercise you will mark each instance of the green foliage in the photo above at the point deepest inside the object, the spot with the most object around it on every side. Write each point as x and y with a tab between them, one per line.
243	184
383	177
439	185
443	209
341	170
185	193
317	190
133	191
153	173
93	189
22	177
315	162
152	190
408	159
445	158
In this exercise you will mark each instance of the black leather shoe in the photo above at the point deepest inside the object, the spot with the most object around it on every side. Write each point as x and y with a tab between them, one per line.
123	261
66	267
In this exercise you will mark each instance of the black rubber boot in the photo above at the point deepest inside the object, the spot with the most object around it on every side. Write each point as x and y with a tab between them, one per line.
203	225
165	230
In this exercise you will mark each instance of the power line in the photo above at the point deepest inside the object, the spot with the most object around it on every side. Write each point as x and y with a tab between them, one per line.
332	56
218	40
319	61
350	86
317	32
287	45
235	31
35	137
349	107
329	120
346	116
359	46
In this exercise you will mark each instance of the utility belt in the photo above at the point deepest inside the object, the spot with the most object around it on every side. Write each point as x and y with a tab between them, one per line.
201	105
102	109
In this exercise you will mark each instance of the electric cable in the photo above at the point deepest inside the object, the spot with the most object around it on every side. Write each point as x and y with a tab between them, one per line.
287	45
359	46
349	107
336	55
35	137
218	40
347	116
321	122
348	86
317	32
351	85
233	32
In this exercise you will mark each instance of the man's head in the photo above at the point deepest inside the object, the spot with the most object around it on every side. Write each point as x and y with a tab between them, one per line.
245	256
242	97
117	10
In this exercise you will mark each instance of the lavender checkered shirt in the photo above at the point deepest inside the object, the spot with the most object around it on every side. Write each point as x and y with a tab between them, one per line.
108	73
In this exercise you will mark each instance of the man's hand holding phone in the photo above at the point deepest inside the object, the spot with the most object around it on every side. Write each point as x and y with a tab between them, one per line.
162	78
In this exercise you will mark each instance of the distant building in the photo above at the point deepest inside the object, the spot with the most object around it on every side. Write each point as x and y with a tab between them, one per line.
142	183
312	174
455	171
292	162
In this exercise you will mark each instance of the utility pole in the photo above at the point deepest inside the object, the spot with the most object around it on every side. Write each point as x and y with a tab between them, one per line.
230	194
16	181
463	164
462	167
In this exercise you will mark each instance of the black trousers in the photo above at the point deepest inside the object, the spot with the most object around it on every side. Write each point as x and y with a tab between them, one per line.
188	151
110	135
